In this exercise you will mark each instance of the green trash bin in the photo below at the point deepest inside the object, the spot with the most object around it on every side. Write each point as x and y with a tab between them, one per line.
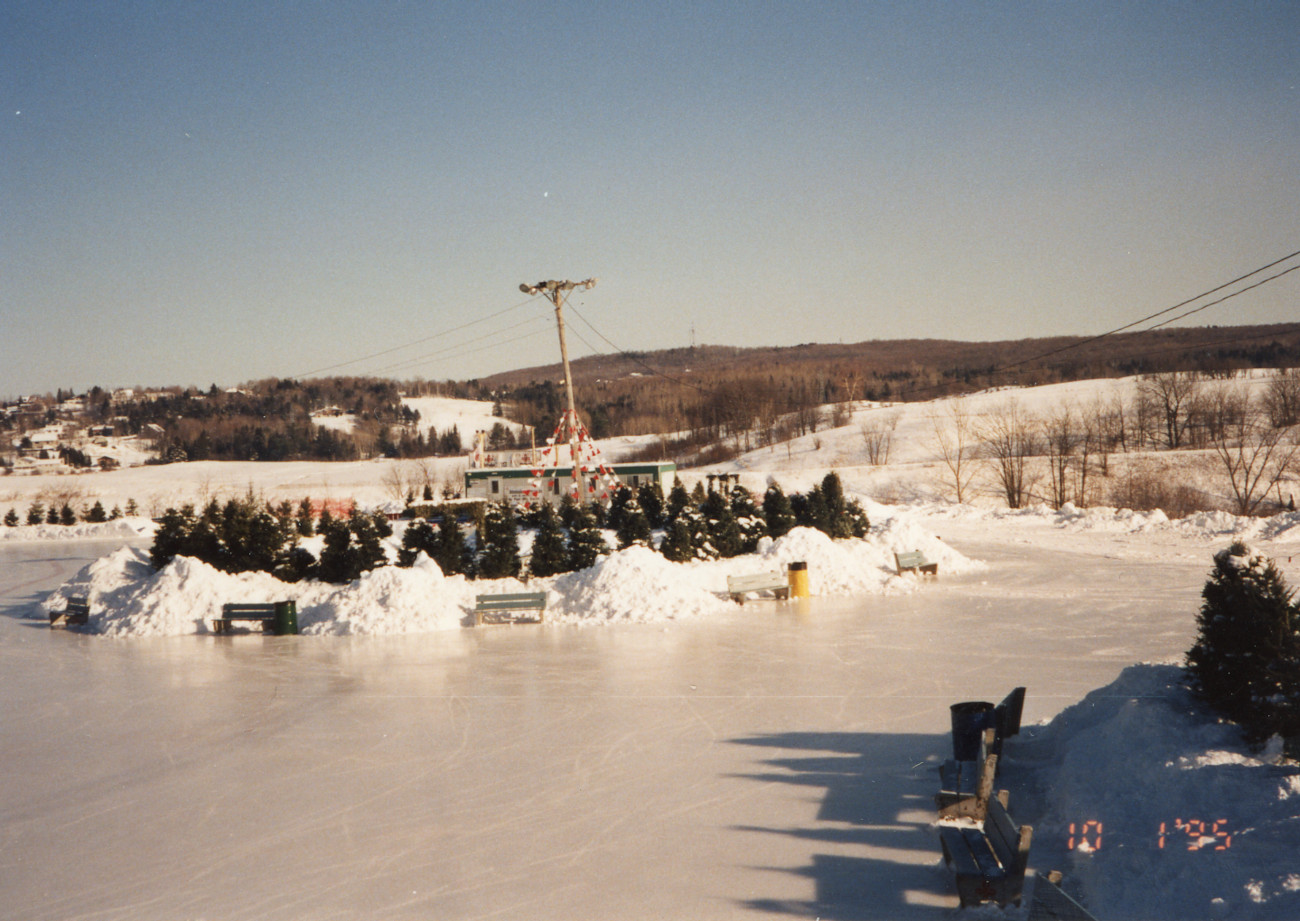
286	618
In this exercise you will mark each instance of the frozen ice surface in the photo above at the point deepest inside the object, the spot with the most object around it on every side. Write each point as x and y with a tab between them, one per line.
775	759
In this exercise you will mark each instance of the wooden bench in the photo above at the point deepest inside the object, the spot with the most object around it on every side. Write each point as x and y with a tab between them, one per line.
966	785
989	861
915	561
264	613
509	608
774	582
75	613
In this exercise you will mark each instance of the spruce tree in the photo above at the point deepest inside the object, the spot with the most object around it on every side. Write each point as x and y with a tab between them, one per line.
749	520
586	542
52	516
676	545
131	508
451	553
419	536
96	514
66	515
498	556
115	514
651	498
303	521
171	535
11	518
337	559
634	527
550	550
777	511
35	513
724	532
678	501
1246	659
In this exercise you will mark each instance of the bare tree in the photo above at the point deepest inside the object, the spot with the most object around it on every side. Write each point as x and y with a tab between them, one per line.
878	434
1173	396
1008	441
1255	455
1282	399
1061	437
954	439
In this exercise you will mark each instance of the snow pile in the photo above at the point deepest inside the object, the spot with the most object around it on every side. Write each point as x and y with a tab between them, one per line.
636	584
1168	814
128	598
124	528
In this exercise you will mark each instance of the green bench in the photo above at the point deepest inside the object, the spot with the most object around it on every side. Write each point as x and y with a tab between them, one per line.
989	862
774	582
275	623
510	608
75	613
915	561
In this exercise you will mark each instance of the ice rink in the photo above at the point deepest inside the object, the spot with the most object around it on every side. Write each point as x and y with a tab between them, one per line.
780	761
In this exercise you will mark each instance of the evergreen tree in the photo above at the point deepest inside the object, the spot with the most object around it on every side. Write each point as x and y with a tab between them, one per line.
1246	659
777	511
651	498
303	521
131	508
498	556
419	536
11	518
171	535
338	560
634	527
66	515
368	532
676	545
35	513
678	501
115	514
724	533
586	542
617	507
550	550
451	554
96	513
749	521
52	516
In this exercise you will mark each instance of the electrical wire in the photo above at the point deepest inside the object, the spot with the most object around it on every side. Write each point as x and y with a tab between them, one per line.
414	342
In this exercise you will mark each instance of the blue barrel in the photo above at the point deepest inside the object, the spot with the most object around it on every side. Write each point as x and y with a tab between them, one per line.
969	720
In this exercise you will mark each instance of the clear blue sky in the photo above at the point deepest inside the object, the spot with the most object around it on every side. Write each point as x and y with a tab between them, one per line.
215	192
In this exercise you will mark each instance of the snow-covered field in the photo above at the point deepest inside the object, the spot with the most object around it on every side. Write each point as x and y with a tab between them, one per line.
689	759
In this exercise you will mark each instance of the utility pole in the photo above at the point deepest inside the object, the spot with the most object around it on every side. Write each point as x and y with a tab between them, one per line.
556	292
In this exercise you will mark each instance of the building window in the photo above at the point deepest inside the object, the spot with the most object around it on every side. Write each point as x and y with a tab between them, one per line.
496	487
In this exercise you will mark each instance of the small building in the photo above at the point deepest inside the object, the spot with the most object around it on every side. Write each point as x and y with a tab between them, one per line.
527	484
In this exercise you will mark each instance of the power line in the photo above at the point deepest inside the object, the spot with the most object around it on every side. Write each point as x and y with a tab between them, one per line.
414	342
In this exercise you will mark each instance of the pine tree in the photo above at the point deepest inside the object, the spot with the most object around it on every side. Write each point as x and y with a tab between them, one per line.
635	526
52	516
337	559
170	537
303	520
451	553
724	532
550	550
96	513
586	542
1246	659
115	514
777	511
676	545
498	556
419	536
678	501
66	515
11	518
131	508
35	513
651	498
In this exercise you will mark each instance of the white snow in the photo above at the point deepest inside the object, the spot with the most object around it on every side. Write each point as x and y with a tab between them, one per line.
689	758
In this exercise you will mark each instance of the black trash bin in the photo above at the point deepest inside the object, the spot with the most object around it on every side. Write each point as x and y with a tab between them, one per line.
969	720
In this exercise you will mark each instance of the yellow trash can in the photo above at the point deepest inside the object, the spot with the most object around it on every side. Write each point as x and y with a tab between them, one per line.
797	574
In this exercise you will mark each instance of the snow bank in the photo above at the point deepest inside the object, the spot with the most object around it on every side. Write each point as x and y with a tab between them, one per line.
1182	820
128	598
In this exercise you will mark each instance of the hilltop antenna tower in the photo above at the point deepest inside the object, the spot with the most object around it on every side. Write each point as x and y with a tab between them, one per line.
557	292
